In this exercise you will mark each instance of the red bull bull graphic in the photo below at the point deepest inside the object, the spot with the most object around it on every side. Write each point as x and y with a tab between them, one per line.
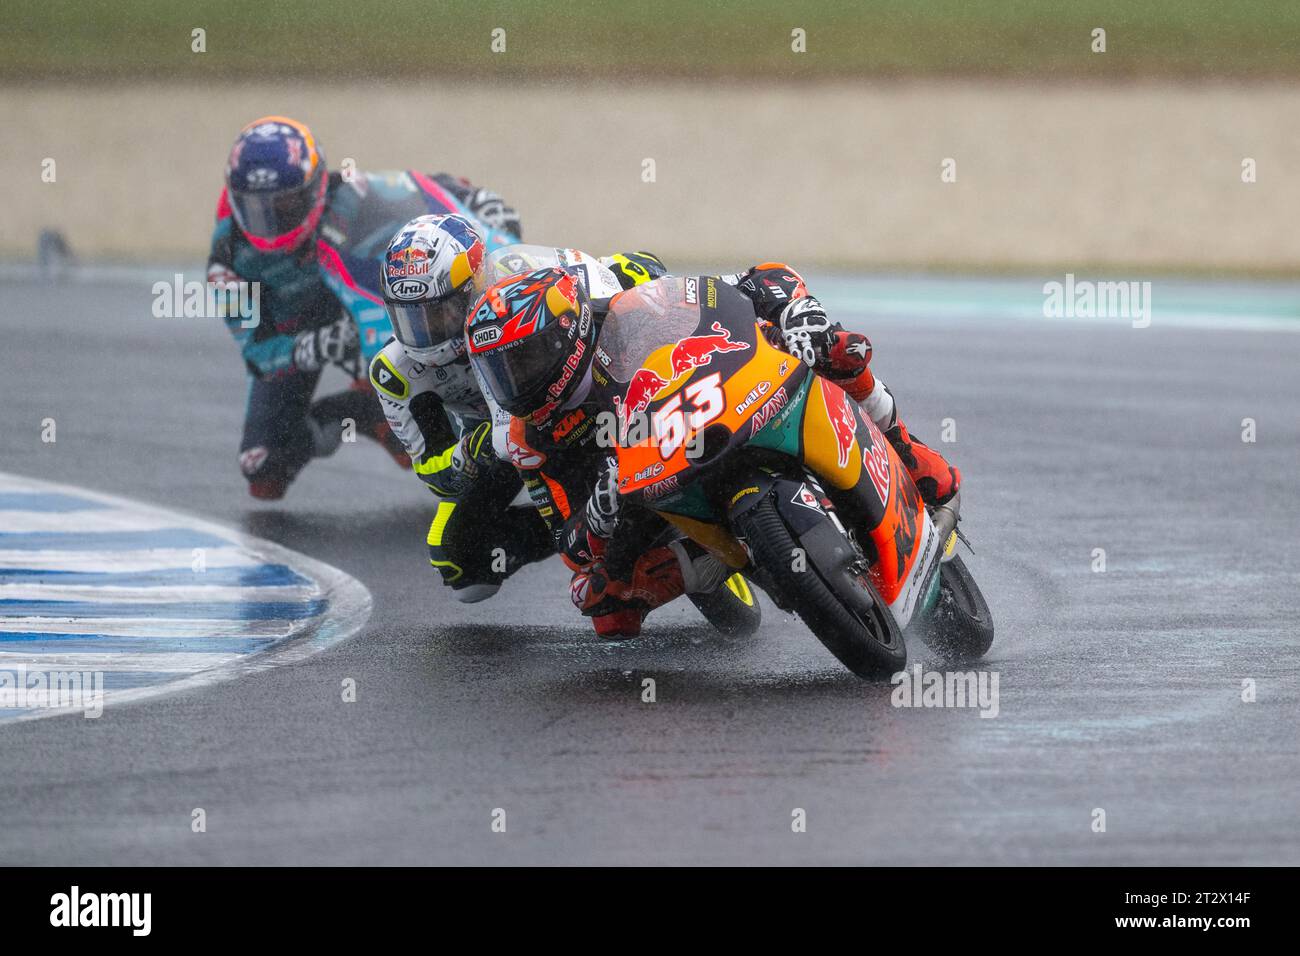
697	350
645	385
688	354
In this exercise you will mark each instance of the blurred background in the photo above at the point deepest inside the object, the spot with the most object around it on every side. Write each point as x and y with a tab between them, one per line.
815	132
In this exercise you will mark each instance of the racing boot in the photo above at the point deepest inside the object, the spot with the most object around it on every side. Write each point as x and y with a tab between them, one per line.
616	607
936	480
269	472
618	624
682	567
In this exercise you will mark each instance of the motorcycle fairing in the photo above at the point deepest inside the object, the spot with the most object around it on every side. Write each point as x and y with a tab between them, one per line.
867	480
683	360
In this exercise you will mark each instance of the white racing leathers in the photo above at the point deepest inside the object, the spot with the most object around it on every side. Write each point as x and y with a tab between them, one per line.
431	402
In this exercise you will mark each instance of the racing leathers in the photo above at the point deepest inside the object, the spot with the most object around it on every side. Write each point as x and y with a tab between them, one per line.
302	322
781	297
618	575
456	436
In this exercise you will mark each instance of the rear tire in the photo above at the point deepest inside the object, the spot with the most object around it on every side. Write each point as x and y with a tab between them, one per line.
961	625
733	612
841	608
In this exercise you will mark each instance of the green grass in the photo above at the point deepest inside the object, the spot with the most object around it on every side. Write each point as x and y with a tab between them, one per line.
333	40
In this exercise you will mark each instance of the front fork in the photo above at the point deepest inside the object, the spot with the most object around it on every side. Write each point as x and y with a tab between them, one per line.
808	513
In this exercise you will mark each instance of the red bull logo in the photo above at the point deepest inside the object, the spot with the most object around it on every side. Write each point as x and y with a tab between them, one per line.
408	262
690	353
842	421
876	458
556	388
697	350
645	385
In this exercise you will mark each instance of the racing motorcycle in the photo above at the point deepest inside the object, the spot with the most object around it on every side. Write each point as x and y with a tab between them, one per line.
780	474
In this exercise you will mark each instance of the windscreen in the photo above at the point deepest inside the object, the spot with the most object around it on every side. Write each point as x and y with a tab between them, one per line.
514	259
646	317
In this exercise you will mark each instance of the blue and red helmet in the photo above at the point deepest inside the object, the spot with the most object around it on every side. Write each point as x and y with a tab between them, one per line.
276	182
531	338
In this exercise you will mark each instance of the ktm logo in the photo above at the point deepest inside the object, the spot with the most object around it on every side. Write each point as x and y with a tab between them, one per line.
570	421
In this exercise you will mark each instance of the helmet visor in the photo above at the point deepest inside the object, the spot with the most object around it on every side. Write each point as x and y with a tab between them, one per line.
519	374
273	214
425	325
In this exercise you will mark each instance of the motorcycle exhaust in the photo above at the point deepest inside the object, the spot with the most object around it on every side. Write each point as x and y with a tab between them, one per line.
945	516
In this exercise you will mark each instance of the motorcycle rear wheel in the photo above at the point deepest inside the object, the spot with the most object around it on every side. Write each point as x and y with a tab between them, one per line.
961	625
732	609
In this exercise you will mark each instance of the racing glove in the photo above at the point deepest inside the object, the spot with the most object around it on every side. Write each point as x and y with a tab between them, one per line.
489	208
807	330
604	505
470	460
337	342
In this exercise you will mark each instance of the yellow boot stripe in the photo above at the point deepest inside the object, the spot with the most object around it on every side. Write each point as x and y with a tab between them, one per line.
449	564
439	525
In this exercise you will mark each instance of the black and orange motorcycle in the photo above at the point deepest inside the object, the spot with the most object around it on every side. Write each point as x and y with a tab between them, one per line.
780	474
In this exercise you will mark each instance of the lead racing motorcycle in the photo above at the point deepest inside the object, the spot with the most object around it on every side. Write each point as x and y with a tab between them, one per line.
780	474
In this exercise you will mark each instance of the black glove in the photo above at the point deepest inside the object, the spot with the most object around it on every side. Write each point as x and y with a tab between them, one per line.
337	342
807	330
491	210
472	458
473	455
604	505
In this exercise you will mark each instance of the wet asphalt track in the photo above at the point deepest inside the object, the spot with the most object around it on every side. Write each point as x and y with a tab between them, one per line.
1119	690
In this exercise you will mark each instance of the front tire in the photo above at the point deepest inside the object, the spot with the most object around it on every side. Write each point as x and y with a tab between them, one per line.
839	604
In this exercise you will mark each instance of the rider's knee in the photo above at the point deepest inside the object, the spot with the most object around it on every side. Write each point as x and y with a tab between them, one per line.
267	477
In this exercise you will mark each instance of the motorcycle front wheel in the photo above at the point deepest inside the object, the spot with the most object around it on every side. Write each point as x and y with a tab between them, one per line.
817	577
